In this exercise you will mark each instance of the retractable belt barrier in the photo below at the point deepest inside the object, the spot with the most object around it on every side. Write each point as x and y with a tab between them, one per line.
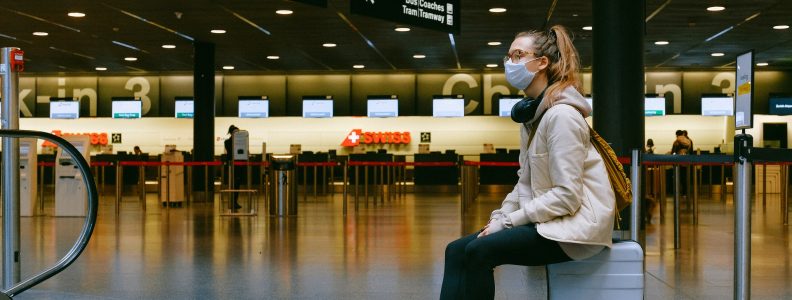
325	166
142	179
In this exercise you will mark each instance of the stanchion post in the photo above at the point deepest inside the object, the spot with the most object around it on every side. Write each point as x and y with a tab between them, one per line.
635	217
695	193
142	185
365	183
119	186
357	181
345	185
661	170
677	184
764	184
742	219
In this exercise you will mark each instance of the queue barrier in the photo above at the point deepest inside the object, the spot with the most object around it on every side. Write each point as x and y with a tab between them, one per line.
324	168
141	179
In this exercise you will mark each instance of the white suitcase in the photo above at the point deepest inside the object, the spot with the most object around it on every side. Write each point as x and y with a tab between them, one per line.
616	273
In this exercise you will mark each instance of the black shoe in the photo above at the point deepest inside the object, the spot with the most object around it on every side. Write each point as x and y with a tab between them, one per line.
237	206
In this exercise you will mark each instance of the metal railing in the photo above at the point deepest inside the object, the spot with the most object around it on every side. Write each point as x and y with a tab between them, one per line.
88	225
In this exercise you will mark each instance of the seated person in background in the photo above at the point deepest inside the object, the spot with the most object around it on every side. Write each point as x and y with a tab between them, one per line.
682	145
649	146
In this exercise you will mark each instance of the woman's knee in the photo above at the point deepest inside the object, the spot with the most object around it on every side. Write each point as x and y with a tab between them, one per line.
478	253
456	247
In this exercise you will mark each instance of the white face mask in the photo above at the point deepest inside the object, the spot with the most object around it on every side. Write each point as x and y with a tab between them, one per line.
517	75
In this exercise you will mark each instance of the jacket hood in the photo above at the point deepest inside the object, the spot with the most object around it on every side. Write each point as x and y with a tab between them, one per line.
569	96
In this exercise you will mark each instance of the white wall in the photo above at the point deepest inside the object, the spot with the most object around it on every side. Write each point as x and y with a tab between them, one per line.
465	135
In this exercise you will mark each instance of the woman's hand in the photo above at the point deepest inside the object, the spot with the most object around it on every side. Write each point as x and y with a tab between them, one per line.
494	226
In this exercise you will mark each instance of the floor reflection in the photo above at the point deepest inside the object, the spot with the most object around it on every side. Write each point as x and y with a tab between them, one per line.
391	250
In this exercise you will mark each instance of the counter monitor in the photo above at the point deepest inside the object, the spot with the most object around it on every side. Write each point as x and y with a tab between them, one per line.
717	106
654	106
448	107
317	108
253	108
127	109
505	104
184	109
780	105
64	109
383	108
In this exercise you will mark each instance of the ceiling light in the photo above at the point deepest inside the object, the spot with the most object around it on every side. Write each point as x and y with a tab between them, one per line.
218	31
419	56
273	57
101	69
781	27
661	43
492	65
358	66
587	28
284	12
40	33
716	8
168	46
497	10
130	58
228	67
762	64
328	45
494	43
717	54
402	29
76	14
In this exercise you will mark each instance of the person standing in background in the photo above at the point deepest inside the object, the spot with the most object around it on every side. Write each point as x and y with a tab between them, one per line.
237	171
649	147
685	133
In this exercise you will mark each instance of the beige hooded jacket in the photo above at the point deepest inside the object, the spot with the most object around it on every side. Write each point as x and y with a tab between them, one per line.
563	185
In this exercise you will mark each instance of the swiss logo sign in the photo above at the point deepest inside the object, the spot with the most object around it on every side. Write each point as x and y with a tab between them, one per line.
358	136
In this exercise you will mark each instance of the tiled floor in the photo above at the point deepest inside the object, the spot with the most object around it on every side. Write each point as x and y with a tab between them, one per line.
389	251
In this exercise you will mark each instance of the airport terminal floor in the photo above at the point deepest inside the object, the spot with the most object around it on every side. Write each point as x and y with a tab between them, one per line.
391	250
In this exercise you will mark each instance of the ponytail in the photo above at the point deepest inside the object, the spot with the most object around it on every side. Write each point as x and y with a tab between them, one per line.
564	67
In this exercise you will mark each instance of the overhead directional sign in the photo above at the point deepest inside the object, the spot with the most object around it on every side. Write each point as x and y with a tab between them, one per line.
442	15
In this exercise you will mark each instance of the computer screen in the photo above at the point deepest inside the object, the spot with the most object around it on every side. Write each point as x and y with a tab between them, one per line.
717	106
127	109
780	105
317	108
253	108
383	108
64	109
505	104
448	107
184	109
654	106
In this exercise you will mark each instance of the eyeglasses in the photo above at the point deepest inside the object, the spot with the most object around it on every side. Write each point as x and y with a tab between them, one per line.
517	55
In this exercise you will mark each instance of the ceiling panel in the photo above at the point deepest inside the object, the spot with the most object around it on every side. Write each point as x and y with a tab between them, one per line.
254	32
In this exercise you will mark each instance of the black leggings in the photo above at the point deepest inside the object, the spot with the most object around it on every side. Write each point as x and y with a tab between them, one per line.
470	261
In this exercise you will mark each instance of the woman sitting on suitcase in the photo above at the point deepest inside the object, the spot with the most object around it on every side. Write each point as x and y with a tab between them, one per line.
563	205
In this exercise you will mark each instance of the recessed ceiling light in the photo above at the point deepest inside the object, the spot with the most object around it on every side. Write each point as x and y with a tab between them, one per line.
661	43
328	45
273	57
587	28
419	56
497	10
40	33
358	66
130	58
762	64
228	67
492	65
217	31
75	14
101	69
716	8
168	46
284	12
402	29
494	43
781	27
717	54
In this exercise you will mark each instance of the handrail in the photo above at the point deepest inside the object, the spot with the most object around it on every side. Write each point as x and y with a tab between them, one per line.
90	221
